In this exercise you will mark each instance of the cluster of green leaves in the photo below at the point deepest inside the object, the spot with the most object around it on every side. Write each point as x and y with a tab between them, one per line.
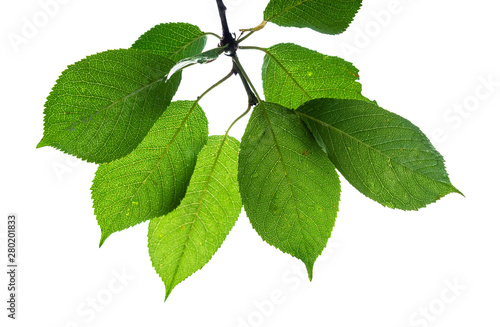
157	162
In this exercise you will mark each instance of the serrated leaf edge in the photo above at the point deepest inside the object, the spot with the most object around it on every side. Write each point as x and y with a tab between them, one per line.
104	236
449	185
45	141
168	290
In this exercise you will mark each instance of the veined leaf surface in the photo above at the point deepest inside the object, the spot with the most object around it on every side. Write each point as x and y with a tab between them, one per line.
102	106
184	240
324	16
175	41
152	179
293	75
383	155
289	188
201	58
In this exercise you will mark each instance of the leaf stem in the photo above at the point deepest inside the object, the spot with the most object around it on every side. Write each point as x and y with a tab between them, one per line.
239	117
251	30
245	37
222	80
252	99
244	77
213	34
249	47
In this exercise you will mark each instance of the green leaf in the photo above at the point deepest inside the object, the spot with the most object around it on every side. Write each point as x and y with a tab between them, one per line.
102	106
289	188
202	58
175	41
383	155
152	179
183	241
324	16
293	75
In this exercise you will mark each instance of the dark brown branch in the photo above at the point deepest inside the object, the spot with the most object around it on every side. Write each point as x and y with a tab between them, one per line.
229	41
227	37
252	99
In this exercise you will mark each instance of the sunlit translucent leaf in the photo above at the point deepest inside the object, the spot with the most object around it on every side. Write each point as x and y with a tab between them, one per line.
293	75
324	16
102	106
152	179
289	188
175	41
202	58
183	241
383	155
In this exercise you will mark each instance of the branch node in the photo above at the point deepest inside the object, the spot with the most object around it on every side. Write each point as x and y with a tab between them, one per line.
227	37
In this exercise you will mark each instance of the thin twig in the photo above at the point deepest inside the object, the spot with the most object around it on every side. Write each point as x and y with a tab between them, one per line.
231	73
252	99
243	73
239	117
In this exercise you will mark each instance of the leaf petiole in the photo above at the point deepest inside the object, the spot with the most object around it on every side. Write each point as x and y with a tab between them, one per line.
251	30
244	75
252	99
237	119
213	34
222	80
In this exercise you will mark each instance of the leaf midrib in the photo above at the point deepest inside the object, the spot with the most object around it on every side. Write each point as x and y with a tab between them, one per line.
287	9
182	48
370	147
282	160
204	192
266	51
123	98
187	44
164	153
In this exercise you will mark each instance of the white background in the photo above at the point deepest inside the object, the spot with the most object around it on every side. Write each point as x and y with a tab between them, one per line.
382	267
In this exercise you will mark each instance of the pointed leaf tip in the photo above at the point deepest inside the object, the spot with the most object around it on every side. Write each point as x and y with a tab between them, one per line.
41	144
104	237
310	271
168	291
459	192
